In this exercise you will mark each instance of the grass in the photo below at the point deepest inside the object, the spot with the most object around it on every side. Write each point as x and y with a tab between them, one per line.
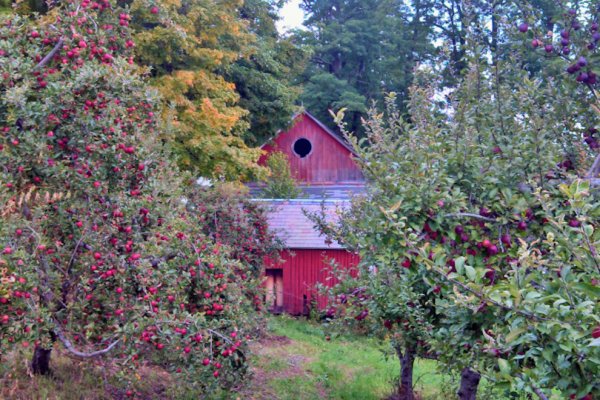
308	366
5	7
299	363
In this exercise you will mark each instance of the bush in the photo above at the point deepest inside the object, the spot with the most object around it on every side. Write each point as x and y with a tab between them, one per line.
280	184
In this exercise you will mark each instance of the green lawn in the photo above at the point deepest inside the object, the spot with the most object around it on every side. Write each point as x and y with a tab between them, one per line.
307	366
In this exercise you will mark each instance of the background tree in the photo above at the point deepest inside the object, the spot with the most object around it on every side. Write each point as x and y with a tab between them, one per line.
187	45
226	77
362	49
280	184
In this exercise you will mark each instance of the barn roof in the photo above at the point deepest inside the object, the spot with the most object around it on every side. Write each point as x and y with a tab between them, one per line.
321	125
290	224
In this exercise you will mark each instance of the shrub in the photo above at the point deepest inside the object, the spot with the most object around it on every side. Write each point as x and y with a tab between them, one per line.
280	184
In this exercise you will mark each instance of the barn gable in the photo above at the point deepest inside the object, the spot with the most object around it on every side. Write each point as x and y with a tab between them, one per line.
317	155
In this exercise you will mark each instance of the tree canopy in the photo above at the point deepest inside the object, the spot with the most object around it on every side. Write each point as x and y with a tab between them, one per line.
478	231
360	50
98	250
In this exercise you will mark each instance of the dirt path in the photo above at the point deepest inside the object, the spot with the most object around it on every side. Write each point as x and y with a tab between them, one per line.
277	359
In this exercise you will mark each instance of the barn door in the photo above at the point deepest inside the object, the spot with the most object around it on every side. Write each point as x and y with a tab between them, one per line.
274	289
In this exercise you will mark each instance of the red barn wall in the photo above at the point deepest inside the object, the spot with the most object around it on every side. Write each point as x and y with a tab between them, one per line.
303	269
329	161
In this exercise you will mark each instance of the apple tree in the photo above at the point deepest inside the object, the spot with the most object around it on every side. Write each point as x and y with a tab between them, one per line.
99	254
479	242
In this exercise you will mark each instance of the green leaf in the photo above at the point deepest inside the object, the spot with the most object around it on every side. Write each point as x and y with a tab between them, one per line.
568	347
532	295
589	289
515	293
459	264
564	188
504	366
471	272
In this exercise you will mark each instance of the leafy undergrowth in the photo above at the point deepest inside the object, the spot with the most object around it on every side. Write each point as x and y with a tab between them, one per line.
298	362
293	361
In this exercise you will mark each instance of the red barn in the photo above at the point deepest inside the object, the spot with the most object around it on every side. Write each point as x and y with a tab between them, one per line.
324	165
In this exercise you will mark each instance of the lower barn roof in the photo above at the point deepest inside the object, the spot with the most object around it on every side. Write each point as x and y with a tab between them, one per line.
288	221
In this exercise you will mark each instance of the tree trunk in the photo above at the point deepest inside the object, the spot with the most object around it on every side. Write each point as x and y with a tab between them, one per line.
40	363
469	381
407	360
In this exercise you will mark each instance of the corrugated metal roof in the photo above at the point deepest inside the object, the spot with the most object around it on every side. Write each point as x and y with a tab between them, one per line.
288	221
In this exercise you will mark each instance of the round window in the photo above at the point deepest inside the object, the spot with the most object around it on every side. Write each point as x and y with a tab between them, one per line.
302	147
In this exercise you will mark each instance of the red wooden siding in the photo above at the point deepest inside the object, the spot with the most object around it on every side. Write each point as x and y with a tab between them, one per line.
303	269
328	162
